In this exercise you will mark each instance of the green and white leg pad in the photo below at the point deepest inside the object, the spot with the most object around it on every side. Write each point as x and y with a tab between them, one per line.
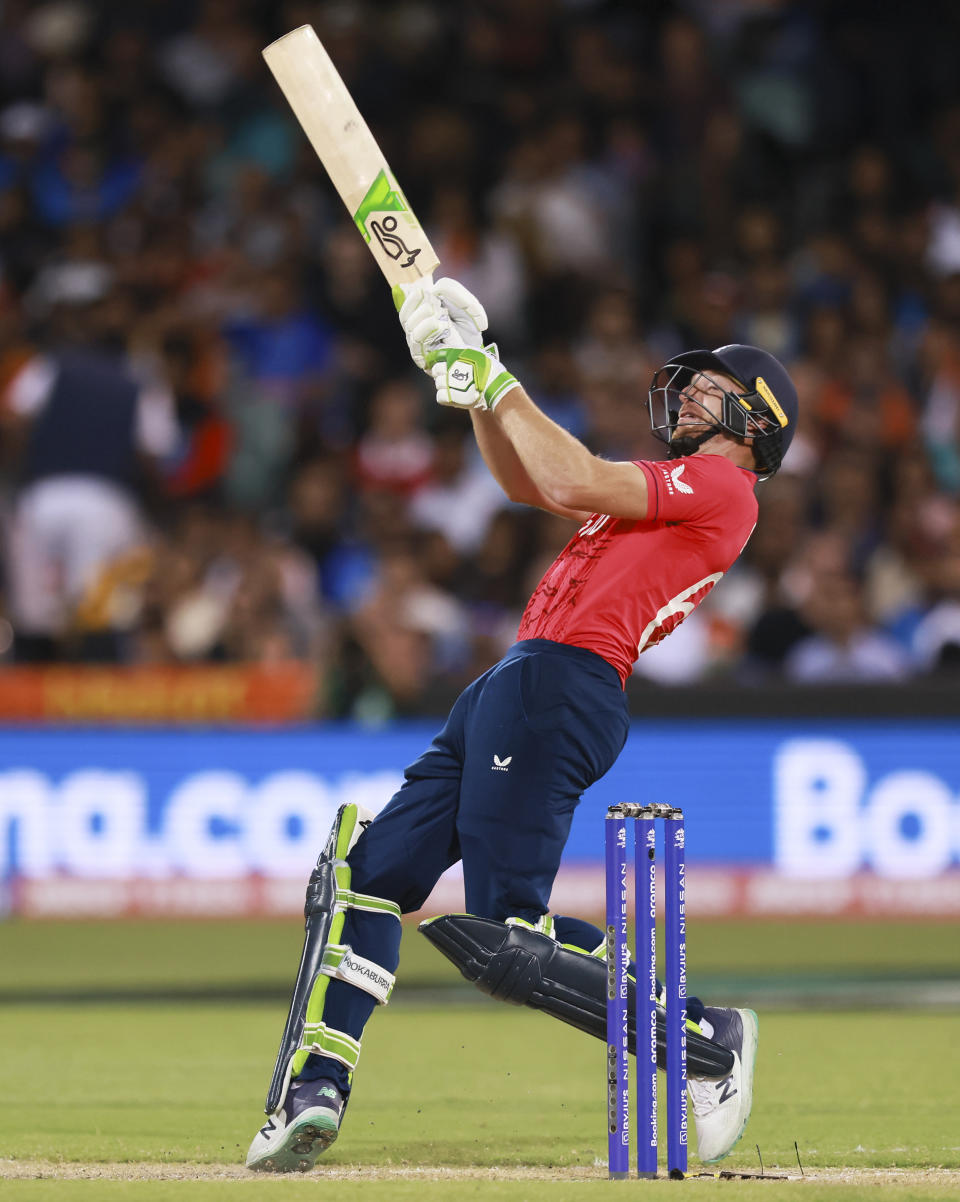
325	958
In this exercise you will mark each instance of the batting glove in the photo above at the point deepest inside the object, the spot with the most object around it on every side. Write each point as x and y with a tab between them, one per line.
469	378
438	315
467	314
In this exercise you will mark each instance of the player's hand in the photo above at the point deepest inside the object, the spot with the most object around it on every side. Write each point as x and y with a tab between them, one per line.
467	314
425	320
438	315
468	377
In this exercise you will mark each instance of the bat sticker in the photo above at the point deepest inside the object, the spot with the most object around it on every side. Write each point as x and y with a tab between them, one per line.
391	242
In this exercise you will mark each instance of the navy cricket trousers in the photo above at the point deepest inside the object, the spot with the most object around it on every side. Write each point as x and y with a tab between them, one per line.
497	789
498	786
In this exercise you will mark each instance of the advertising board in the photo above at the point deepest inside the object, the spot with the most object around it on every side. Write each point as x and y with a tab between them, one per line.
782	817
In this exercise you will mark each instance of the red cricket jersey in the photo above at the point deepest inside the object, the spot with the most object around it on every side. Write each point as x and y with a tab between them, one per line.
621	585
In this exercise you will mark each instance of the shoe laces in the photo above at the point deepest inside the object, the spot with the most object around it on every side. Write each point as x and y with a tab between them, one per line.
704	1095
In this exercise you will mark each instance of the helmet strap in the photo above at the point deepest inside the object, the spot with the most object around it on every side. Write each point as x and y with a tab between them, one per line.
689	444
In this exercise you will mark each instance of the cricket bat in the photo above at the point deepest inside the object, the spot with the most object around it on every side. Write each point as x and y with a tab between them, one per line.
351	156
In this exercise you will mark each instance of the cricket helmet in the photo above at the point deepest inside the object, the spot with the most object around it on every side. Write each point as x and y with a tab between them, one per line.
764	408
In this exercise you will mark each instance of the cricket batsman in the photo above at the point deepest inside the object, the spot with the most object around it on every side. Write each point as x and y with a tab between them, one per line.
498	786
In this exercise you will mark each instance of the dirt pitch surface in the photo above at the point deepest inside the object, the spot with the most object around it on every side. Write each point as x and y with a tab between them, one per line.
34	1170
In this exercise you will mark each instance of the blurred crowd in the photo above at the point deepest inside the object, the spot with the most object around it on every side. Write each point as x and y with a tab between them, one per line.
215	448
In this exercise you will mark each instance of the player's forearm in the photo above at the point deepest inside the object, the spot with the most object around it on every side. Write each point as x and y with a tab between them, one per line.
502	460
563	475
558	465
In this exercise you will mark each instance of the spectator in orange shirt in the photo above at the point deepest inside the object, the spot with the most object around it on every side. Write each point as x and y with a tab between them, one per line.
866	401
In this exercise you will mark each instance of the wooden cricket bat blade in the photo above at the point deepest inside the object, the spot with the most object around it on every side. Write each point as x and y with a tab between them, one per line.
351	156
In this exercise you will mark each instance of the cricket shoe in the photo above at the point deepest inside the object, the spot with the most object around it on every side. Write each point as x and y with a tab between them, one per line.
721	1107
306	1124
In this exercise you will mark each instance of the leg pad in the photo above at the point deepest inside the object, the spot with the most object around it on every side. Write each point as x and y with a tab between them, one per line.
329	896
517	964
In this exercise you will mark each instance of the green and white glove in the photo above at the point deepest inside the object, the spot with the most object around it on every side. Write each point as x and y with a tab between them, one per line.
444	325
467	314
468	377
438	315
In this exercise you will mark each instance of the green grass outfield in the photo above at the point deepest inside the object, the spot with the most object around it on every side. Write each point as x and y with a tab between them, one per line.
135	1057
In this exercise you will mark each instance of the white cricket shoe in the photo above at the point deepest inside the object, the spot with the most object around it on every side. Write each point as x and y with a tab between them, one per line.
721	1107
306	1124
